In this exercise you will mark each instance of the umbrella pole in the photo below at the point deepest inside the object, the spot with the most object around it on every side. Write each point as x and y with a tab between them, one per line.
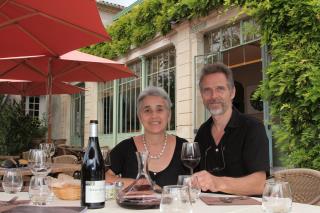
49	100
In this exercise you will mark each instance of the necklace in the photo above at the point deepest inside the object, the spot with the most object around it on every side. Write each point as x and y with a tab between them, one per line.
162	150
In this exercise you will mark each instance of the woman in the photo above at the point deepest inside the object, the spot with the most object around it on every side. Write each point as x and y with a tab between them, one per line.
154	113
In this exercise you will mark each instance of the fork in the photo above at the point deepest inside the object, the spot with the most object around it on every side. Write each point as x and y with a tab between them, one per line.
230	199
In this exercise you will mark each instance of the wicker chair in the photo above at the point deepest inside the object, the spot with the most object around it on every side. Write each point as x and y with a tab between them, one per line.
304	183
25	155
65	159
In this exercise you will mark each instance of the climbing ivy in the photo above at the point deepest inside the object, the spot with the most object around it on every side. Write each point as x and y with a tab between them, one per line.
291	31
147	19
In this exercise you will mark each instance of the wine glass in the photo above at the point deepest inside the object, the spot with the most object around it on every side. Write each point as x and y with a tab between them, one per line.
190	155
12	181
106	158
38	162
276	197
49	148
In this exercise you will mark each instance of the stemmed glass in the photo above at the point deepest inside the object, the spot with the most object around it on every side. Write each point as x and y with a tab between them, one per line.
49	148
276	197
38	162
190	155
12	181
106	158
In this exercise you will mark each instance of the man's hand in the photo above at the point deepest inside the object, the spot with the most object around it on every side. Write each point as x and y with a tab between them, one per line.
208	181
248	185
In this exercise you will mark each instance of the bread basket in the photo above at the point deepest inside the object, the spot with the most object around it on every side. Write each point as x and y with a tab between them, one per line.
67	192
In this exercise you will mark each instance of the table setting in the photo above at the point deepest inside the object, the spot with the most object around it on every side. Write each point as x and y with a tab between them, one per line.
198	206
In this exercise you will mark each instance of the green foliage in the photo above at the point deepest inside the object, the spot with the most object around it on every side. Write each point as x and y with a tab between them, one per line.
291	29
17	129
146	20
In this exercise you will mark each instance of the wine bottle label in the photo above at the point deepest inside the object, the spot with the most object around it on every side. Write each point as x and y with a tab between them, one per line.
95	191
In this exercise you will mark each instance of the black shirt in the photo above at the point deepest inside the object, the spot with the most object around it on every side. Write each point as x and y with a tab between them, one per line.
124	162
243	149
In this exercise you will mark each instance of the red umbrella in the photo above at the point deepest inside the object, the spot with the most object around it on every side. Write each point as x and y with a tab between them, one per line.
27	88
48	27
72	66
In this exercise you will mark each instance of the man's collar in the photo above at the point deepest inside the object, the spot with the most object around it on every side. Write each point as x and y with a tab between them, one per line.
234	121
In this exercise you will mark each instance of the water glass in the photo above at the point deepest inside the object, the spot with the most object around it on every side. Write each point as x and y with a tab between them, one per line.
12	181
181	179
276	197
194	187
39	190
175	198
192	183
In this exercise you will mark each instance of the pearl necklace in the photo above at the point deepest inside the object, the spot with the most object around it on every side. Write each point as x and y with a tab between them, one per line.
162	150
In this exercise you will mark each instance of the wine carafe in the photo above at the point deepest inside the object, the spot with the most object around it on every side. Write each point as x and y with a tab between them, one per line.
142	193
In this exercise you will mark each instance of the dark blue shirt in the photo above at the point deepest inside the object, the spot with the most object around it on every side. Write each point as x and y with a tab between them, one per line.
243	149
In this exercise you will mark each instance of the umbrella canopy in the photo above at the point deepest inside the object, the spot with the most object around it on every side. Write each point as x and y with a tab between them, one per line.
48	27
70	67
27	88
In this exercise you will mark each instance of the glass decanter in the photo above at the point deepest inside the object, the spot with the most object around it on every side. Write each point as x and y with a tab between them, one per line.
142	193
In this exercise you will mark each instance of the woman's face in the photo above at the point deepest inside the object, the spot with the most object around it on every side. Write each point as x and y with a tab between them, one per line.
154	114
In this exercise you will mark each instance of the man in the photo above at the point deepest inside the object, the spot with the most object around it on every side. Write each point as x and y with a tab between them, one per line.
234	146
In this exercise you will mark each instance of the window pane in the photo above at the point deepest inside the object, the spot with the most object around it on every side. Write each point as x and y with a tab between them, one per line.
226	38
235	34
250	30
164	76
214	41
129	91
34	105
105	107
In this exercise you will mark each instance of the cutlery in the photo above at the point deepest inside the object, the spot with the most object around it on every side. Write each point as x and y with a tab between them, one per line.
230	199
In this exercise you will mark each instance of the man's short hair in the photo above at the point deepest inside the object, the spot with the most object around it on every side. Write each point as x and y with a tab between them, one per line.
217	68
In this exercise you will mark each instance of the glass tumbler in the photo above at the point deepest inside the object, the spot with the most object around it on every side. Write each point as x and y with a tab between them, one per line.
175	198
12	181
194	187
39	190
276	197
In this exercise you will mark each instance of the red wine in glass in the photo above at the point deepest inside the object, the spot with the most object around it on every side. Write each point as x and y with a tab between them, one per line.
190	155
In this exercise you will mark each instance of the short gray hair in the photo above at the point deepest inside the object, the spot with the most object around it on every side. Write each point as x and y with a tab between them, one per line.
217	68
154	91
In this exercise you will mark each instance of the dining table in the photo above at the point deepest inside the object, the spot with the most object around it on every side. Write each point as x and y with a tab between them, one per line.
198	207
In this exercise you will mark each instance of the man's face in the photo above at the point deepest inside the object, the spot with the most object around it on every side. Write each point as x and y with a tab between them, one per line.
216	95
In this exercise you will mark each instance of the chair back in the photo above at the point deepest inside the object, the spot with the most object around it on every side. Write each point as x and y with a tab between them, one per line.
25	155
65	159
304	183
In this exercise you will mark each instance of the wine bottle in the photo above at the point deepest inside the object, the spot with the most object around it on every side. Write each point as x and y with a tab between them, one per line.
93	172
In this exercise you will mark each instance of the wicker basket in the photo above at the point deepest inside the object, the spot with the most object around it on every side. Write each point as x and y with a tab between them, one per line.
67	192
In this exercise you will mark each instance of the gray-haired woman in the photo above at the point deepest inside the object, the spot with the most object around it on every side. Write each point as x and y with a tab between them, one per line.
154	113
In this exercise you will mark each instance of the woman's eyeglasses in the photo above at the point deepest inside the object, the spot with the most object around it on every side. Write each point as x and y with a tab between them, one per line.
214	159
